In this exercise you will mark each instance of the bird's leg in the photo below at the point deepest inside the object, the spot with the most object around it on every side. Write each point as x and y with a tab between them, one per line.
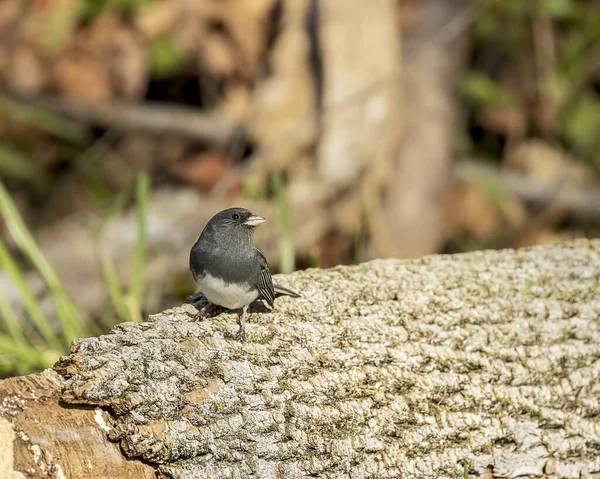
241	334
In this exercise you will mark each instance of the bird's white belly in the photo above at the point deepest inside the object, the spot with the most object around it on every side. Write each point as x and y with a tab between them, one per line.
230	296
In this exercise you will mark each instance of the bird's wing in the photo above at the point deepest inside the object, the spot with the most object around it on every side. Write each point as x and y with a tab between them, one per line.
265	281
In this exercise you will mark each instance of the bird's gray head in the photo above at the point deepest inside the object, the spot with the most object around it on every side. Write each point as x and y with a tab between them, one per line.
235	218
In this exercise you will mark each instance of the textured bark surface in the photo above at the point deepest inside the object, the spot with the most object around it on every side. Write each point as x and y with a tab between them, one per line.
51	441
7	436
486	362
386	369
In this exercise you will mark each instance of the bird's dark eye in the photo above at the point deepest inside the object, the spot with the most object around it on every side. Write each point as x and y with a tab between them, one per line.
236	216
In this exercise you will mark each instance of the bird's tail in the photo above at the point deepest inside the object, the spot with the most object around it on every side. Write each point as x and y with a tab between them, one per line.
281	291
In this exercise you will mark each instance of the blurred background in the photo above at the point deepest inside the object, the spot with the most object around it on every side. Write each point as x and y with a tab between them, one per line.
387	128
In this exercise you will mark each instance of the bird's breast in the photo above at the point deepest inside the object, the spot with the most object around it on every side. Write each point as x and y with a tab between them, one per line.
228	295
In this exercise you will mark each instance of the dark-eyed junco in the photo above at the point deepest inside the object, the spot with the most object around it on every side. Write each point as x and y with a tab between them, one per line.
230	271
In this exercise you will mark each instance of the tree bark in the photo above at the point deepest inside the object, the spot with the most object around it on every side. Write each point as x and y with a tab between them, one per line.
55	441
484	363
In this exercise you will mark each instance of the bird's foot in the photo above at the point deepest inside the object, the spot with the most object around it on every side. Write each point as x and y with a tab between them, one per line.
203	312
241	334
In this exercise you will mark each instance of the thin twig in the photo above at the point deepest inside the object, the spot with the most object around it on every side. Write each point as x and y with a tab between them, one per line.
583	202
152	117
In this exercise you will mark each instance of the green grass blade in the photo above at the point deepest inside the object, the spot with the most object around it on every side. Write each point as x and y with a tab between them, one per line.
38	317
315	257
155	292
56	125
22	358
111	280
9	320
286	227
15	163
72	320
361	240
134	309
136	282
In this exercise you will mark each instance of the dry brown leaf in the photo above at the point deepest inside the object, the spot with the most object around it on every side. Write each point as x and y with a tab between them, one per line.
469	211
230	37
218	55
505	121
26	72
534	237
236	101
514	213
203	170
545	114
549	164
31	39
9	15
82	79
408	13
187	31
105	61
335	250
123	53
284	102
158	18
246	22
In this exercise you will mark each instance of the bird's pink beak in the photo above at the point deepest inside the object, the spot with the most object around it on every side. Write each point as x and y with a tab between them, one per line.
254	220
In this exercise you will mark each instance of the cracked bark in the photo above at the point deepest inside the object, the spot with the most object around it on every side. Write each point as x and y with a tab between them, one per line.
487	361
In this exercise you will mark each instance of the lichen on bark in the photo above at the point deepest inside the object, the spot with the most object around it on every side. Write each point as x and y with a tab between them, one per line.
385	369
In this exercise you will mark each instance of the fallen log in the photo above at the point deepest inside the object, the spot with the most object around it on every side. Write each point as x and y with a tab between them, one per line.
482	364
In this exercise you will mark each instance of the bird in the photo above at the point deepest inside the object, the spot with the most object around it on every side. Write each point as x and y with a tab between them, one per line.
229	270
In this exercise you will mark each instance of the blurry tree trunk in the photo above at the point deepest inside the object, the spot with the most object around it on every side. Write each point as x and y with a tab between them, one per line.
360	51
327	116
434	54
